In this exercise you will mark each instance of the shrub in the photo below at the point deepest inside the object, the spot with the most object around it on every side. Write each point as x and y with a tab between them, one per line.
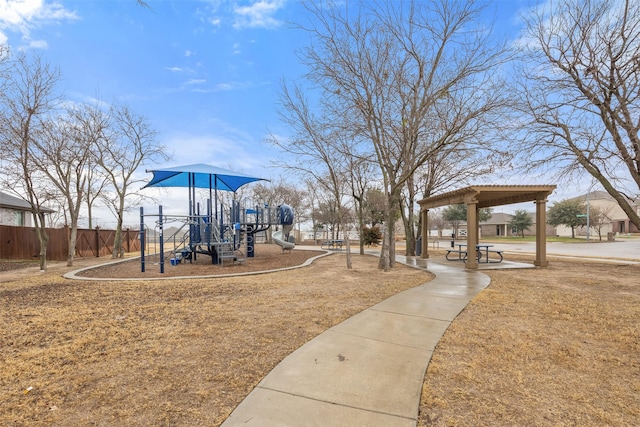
371	236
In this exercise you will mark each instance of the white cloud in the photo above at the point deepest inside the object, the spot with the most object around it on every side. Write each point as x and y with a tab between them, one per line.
260	14
224	86
196	85
179	69
23	16
228	147
233	85
15	13
38	44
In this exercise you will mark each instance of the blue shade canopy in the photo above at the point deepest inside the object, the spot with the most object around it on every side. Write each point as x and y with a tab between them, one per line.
199	176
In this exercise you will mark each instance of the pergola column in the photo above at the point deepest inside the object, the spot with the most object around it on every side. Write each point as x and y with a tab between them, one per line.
541	233
425	234
472	234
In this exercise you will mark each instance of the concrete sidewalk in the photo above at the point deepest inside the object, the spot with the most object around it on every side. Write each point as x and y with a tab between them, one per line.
369	369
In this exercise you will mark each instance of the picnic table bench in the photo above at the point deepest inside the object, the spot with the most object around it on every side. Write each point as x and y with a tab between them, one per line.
462	253
482	253
331	244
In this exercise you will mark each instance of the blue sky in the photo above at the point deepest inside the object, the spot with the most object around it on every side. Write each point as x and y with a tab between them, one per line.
205	73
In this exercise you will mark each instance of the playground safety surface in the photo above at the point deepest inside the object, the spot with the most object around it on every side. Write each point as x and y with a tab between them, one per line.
267	257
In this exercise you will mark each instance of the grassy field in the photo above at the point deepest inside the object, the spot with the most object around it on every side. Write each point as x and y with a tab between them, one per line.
543	346
554	346
167	352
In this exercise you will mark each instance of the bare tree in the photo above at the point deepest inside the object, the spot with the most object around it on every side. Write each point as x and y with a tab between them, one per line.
314	152
128	143
314	199
580	87
452	166
360	179
277	192
97	178
599	218
374	206
266	193
56	202
27	98
4	69
436	220
64	157
408	78
97	182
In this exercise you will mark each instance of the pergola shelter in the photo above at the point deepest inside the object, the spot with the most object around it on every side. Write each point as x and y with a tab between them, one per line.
485	196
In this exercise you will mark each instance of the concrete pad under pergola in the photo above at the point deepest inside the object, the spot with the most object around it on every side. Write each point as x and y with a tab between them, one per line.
485	196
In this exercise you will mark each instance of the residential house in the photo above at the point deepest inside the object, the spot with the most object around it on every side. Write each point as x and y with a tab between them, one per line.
614	219
499	225
16	212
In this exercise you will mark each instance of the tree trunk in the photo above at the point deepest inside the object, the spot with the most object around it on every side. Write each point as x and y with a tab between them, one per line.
410	232
384	263
43	239
409	221
73	234
117	241
348	249
89	212
118	251
388	253
360	214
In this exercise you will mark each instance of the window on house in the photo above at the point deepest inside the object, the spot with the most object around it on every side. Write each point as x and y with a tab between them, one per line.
19	218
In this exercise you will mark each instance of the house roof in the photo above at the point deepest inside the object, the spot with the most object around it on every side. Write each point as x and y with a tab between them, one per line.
498	218
15	203
594	195
603	195
487	196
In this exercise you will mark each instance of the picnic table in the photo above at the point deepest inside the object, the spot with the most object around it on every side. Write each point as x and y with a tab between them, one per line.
482	253
462	253
332	244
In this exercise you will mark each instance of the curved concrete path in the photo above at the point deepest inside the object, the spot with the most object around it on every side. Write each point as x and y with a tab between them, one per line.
369	369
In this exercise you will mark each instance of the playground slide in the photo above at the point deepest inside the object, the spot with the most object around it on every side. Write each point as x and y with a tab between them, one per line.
278	238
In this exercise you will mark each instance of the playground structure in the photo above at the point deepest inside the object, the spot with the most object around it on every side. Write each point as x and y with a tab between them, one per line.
224	232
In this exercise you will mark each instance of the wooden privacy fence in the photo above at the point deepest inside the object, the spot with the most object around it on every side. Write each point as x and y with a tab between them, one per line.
22	242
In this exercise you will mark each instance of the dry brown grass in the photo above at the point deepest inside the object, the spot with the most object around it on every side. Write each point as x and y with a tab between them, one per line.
10	265
173	352
554	346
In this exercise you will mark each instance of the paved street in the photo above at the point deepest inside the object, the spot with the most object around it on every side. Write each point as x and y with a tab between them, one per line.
622	248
